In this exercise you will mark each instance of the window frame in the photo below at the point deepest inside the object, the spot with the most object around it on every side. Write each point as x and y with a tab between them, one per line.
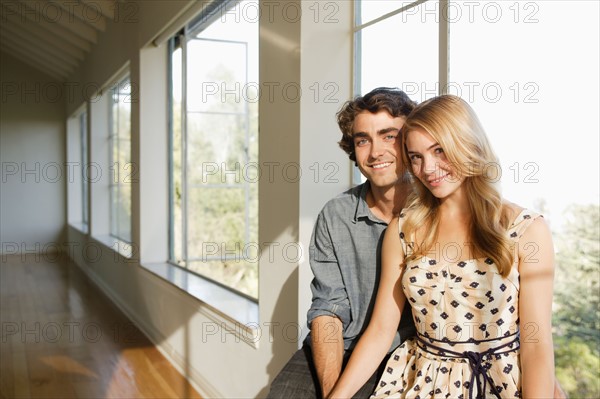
179	41
443	50
84	146
115	184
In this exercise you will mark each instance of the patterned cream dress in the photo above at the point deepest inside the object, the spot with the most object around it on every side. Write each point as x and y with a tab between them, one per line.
467	321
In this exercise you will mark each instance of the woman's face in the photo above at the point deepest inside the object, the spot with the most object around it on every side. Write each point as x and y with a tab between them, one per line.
430	165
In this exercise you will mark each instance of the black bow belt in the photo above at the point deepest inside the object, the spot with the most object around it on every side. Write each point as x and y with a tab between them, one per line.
478	370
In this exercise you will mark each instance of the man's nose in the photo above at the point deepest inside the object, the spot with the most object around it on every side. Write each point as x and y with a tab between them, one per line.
377	149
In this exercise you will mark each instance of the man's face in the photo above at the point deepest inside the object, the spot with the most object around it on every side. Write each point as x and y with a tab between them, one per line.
377	147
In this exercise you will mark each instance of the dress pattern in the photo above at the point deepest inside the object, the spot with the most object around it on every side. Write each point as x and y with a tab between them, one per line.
467	321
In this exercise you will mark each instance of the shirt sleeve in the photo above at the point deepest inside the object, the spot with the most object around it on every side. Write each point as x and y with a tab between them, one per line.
329	296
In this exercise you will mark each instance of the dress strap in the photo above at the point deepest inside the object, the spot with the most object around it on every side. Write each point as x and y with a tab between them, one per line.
401	219
521	223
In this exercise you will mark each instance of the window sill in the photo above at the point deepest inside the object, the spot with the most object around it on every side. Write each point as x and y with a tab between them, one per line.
80	226
123	248
237	314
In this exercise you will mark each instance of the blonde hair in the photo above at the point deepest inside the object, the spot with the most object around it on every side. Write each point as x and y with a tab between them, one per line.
453	124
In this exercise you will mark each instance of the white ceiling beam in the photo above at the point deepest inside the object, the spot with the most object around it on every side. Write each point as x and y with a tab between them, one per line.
52	13
27	58
85	13
37	46
26	18
44	57
45	37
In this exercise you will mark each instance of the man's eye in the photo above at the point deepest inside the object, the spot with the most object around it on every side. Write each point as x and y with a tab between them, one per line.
390	137
361	142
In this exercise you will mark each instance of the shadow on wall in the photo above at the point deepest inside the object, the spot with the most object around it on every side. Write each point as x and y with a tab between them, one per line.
285	337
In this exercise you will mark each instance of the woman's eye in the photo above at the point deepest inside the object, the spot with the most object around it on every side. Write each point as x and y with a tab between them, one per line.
439	150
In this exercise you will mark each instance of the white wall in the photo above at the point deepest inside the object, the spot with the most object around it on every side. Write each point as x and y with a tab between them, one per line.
327	84
32	155
303	53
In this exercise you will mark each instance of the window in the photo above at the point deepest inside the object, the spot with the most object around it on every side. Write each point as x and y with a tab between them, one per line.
395	48
78	170
120	160
536	95
214	147
542	119
83	138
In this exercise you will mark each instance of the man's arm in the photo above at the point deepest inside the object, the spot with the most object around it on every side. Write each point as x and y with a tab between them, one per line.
377	338
330	308
328	351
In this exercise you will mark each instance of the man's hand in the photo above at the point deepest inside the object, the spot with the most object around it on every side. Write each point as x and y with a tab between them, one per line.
328	350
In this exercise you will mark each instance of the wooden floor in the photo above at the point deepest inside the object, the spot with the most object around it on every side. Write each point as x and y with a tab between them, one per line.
62	338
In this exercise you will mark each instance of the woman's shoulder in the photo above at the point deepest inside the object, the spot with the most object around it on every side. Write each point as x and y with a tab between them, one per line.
515	213
398	221
400	218
404	212
512	210
523	221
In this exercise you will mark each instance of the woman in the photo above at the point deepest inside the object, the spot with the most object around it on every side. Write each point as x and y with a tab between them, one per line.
476	269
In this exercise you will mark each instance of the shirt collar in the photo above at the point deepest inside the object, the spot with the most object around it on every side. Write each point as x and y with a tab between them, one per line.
362	208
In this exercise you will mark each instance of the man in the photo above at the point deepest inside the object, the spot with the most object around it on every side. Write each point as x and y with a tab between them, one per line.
345	249
346	244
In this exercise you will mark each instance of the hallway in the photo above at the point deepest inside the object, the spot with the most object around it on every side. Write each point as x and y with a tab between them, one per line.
63	338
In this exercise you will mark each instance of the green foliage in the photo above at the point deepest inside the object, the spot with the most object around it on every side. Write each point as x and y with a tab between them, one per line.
577	303
122	171
577	291
222	200
577	368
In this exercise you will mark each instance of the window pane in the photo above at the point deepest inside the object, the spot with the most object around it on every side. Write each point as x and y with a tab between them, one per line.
401	51
530	71
124	206
114	211
114	115
120	157
372	9
124	117
218	233
219	186
216	216
520	95
177	226
123	159
83	169
176	246
217	149
216	76
239	273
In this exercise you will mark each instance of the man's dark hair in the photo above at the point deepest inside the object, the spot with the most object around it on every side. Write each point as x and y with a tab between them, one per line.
392	100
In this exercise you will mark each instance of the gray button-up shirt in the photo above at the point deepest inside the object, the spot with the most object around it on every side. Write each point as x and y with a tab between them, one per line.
345	257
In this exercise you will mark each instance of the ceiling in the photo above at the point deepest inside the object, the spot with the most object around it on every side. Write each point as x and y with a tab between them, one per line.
53	36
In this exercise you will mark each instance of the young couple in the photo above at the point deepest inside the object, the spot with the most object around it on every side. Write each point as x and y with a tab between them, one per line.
472	271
